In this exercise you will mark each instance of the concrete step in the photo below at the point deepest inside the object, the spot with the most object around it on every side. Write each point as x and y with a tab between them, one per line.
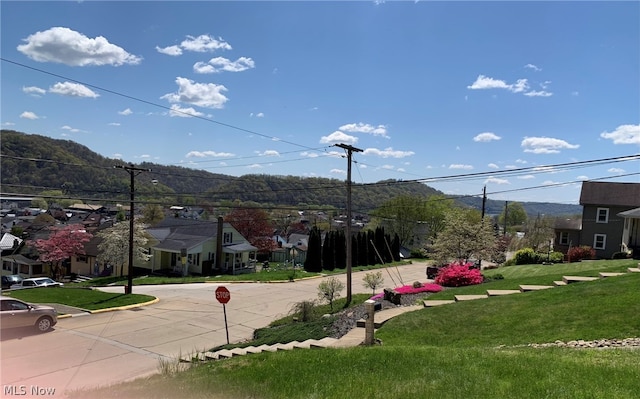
502	292
577	279
634	270
528	288
431	303
607	274
460	298
322	343
559	283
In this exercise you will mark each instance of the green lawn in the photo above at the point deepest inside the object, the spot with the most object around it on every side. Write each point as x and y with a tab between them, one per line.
276	273
452	351
81	298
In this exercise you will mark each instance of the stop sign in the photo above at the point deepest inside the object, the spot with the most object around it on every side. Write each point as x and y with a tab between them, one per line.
223	295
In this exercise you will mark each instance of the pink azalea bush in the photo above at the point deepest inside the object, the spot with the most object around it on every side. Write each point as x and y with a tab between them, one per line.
410	289
458	275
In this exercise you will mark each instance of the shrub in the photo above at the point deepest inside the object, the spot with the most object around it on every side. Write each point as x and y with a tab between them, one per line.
373	280
620	255
329	290
304	310
417	284
525	256
458	275
576	254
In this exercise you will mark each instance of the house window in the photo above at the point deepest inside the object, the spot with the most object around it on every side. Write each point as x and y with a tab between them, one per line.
227	238
603	215
599	241
564	238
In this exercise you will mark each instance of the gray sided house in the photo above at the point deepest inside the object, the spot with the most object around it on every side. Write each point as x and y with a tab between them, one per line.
187	246
607	225
567	234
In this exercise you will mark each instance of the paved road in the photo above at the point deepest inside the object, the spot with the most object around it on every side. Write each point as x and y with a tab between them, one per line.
111	347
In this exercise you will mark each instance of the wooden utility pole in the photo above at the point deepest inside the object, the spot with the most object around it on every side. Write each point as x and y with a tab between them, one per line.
132	173
350	150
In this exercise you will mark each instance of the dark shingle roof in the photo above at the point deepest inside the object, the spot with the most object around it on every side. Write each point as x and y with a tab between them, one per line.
612	194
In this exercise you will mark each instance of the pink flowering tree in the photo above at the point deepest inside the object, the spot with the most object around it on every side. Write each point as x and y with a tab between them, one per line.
459	274
62	244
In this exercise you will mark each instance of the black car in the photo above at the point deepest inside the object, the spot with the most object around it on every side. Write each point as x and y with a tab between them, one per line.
8	281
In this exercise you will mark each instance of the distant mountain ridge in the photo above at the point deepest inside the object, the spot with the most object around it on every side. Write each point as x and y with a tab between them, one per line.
85	175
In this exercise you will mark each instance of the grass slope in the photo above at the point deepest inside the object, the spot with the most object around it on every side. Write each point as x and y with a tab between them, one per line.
80	298
445	352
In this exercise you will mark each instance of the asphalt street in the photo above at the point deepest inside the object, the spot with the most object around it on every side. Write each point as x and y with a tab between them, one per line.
111	347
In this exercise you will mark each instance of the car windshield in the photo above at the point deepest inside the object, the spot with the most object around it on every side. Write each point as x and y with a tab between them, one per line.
44	281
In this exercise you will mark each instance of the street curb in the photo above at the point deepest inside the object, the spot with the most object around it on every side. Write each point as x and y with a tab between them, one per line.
126	307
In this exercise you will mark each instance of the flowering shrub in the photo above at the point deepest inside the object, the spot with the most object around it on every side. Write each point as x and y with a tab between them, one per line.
458	275
578	253
410	289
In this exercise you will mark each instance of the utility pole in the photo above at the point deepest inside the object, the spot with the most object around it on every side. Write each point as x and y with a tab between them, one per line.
132	173
350	150
484	200
506	215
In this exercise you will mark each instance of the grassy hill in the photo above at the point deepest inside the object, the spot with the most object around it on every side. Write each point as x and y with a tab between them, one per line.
474	349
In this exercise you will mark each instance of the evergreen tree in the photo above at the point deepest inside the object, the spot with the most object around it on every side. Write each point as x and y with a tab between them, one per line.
313	262
395	248
340	249
328	257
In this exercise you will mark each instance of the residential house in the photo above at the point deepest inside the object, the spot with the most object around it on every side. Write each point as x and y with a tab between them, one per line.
294	250
604	221
631	232
567	234
188	246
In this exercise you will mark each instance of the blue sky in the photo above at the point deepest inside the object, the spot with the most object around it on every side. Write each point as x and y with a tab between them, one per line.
428	90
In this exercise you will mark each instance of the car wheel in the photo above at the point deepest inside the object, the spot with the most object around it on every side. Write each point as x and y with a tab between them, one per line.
43	324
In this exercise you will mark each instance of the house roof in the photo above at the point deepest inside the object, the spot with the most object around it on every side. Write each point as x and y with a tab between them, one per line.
21	260
8	241
568	224
631	213
177	233
612	194
244	247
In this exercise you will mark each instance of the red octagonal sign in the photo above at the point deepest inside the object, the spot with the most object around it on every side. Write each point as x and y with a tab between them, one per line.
223	295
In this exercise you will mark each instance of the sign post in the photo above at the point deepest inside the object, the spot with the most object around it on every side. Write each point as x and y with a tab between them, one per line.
223	296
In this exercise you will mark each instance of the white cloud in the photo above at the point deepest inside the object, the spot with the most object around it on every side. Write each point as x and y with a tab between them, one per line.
220	64
380	130
546	145
388	153
29	115
521	161
73	90
212	154
387	167
34	91
204	43
535	68
624	134
255	166
181	112
113	124
526	177
486	136
269	153
338	137
70	129
483	82
615	170
206	95
117	156
582	177
338	172
173	51
493	166
258	115
307	154
66	46
496	180
540	93
460	166
126	112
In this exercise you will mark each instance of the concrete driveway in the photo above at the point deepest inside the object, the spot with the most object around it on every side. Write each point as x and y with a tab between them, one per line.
112	347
